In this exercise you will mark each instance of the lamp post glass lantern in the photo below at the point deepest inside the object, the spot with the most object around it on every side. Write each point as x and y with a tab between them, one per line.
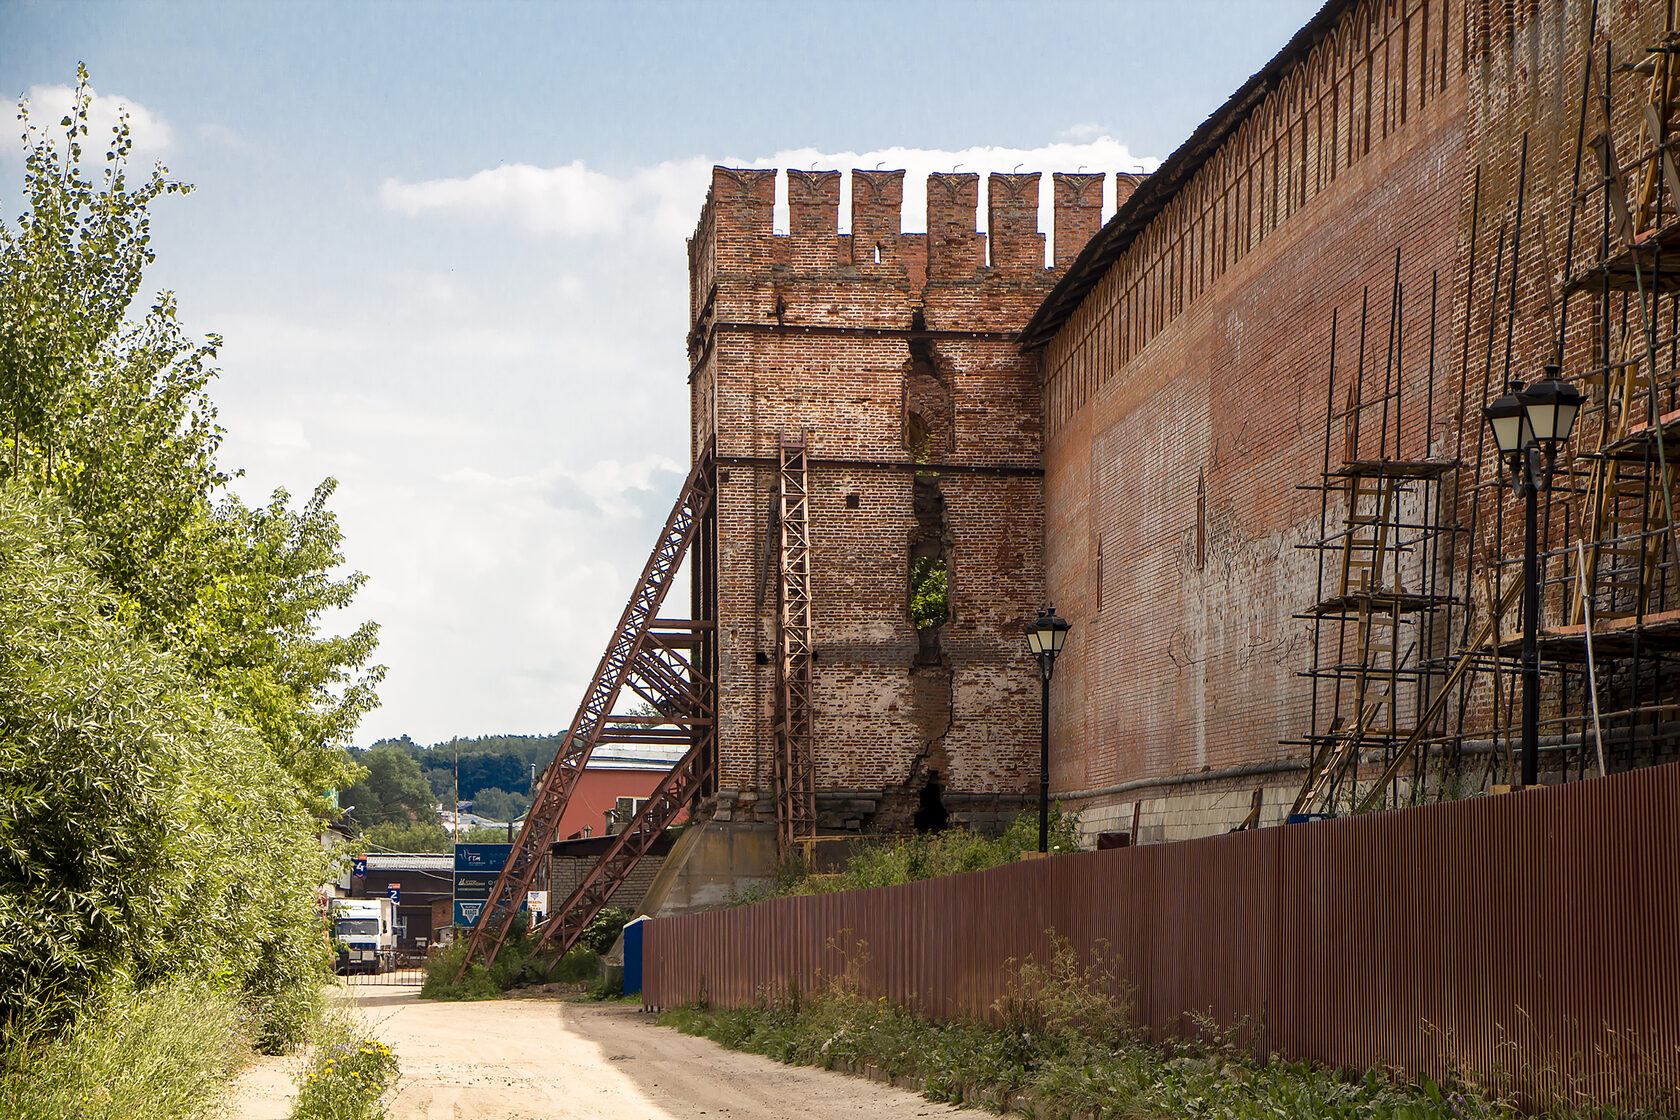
1045	635
1529	426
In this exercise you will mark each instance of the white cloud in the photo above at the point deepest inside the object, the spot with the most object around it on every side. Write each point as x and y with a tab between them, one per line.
662	201
571	201
1086	130
152	134
509	431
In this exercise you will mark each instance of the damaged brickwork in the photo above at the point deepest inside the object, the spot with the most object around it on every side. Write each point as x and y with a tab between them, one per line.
898	353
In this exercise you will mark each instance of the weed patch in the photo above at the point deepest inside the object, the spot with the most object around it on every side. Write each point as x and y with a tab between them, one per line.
887	861
347	1077
167	1053
1064	1046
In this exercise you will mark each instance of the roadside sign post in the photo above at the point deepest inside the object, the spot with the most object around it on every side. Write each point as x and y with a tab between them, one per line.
477	867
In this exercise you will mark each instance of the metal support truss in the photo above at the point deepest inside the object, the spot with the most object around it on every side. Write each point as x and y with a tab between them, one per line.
795	764
645	655
675	793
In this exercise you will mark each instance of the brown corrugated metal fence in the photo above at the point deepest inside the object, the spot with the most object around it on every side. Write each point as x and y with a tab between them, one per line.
1528	940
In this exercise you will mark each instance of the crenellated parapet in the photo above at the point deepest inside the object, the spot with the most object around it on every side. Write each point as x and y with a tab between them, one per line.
735	238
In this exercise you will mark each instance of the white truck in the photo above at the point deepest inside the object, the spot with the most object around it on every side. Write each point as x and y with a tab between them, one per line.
365	931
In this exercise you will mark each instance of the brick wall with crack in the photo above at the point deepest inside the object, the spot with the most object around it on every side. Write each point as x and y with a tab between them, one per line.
898	354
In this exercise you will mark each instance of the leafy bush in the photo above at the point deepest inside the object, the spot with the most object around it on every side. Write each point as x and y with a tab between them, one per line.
164	1054
603	929
143	832
519	965
347	1077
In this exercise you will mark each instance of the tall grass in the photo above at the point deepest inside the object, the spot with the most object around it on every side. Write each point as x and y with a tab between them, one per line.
887	861
167	1053
1064	1046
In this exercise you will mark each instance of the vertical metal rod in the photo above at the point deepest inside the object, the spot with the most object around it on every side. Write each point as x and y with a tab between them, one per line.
1531	628
1046	665
1323	529
1575	183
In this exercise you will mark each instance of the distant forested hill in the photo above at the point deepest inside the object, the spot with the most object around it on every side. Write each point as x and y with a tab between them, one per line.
495	769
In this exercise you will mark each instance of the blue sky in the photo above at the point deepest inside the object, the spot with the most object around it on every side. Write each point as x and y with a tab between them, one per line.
444	244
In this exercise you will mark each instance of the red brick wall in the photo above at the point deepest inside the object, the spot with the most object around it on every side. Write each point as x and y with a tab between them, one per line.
1186	400
809	331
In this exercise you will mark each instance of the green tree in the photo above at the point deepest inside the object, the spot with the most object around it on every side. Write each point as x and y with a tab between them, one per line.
113	417
142	831
391	791
169	715
409	836
499	804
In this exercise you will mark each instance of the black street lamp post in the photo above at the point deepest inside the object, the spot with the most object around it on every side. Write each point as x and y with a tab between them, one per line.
1045	635
1529	426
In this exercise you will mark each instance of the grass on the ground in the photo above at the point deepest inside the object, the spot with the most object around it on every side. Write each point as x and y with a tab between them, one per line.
167	1053
1065	1047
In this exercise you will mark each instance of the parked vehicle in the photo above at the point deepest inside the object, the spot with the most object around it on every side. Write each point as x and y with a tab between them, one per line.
365	930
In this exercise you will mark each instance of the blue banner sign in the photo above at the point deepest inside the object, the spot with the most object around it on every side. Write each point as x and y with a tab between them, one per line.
358	867
477	867
481	857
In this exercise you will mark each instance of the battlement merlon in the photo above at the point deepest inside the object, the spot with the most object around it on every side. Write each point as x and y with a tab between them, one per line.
1078	205
956	251
1012	222
735	234
877	216
814	218
1125	184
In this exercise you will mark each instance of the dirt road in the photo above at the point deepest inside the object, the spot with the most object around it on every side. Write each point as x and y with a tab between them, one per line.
542	1059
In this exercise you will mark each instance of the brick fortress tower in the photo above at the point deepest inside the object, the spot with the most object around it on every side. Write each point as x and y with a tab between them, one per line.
879	528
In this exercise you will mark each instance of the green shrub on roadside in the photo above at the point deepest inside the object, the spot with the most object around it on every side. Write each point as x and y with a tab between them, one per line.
168	1053
440	981
347	1077
519	964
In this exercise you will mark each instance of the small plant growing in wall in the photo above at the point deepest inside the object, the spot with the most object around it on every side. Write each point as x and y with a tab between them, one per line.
930	592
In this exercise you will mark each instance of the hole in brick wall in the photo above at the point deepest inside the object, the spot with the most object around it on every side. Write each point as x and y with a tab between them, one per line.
723	476
930	592
1099	575
929	411
853	501
877	254
761	658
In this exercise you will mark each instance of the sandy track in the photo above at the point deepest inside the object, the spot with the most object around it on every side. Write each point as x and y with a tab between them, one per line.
541	1059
